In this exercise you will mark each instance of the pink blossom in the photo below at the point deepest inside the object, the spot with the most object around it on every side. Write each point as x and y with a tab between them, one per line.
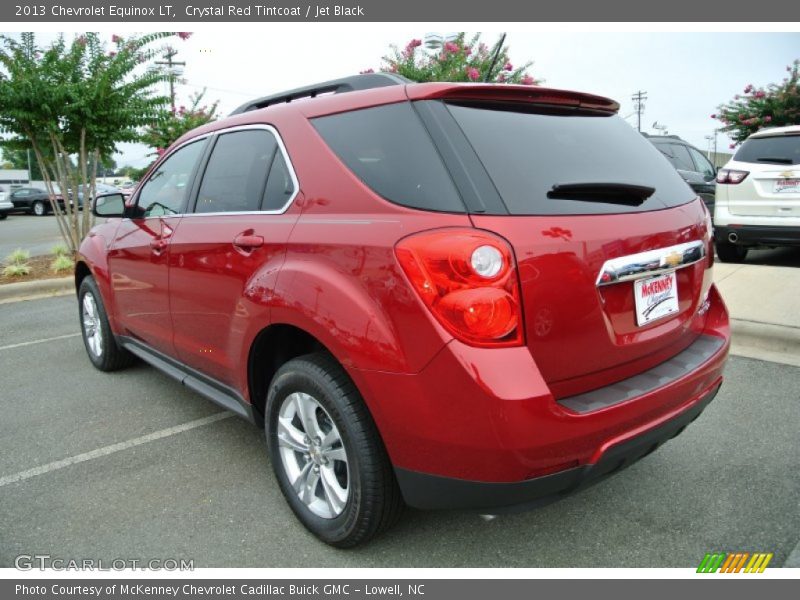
112	54
467	50
767	119
527	80
501	77
184	35
81	41
714	116
759	94
451	47
116	39
508	67
482	47
160	151
415	43
749	88
732	146
366	71
473	73
393	68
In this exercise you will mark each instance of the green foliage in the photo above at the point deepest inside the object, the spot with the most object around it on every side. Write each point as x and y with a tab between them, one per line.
776	105
80	100
59	250
17	257
16	270
456	60
163	133
18	159
61	263
16	265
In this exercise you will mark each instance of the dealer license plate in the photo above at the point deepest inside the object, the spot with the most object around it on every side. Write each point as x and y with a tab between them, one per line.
787	186
656	298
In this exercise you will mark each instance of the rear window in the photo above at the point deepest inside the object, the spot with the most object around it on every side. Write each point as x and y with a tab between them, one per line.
779	150
526	154
390	150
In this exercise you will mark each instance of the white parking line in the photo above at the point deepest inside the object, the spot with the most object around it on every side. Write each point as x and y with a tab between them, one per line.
113	448
42	341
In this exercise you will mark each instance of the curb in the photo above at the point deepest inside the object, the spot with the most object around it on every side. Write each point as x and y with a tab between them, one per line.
13	292
766	341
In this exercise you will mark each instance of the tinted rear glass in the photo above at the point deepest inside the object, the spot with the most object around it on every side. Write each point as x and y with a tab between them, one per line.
526	154
390	150
781	150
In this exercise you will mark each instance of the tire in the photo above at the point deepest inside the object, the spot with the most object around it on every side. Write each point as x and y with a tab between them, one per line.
39	209
3	215
730	253
349	457
103	350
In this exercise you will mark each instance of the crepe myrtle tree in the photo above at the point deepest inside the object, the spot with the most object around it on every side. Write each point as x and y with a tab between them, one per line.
161	134
72	103
457	60
775	105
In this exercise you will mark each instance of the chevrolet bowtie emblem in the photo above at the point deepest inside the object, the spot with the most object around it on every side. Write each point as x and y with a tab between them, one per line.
787	174
674	259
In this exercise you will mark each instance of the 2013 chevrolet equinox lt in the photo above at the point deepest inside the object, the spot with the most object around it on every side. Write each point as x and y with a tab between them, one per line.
440	295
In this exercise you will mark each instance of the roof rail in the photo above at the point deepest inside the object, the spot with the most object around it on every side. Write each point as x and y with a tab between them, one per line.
335	86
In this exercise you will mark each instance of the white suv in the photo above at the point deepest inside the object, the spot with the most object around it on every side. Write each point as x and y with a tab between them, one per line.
758	194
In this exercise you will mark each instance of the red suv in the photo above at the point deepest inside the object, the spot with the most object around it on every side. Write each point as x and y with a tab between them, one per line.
441	295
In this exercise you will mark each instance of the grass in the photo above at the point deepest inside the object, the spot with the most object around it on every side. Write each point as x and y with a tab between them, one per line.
61	263
59	250
16	270
18	257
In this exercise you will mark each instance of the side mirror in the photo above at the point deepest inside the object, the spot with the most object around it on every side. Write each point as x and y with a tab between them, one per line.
109	205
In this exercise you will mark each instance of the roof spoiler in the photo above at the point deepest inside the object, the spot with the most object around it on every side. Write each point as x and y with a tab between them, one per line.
511	93
335	86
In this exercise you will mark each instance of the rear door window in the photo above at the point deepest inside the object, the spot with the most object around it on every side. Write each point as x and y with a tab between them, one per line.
389	149
779	150
527	153
236	175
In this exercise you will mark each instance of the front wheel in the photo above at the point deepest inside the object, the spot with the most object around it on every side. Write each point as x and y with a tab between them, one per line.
329	460
730	253
39	209
3	215
98	338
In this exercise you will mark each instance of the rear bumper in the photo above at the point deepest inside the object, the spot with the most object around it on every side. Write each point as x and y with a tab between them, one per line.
760	234
425	491
481	428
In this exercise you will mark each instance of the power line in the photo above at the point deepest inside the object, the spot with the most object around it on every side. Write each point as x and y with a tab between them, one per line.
638	104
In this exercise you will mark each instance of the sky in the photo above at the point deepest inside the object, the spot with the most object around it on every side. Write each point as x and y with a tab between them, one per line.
686	75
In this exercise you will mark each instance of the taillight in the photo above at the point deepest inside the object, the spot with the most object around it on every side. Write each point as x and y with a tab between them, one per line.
468	280
731	176
709	223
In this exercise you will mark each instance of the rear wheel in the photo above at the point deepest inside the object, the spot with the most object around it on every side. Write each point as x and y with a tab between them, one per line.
329	460
39	209
98	338
730	253
3	215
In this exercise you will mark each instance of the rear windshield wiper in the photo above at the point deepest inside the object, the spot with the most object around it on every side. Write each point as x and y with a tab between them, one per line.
775	159
609	193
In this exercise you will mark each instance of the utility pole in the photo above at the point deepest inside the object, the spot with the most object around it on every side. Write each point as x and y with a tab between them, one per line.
169	63
638	104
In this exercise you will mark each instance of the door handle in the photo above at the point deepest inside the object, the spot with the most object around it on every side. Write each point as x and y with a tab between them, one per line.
158	245
248	242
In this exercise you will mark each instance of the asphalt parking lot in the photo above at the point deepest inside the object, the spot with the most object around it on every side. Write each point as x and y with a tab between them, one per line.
153	489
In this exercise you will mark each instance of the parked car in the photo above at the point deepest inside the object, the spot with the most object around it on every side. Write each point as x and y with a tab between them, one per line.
34	201
758	195
441	295
691	164
100	188
5	205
